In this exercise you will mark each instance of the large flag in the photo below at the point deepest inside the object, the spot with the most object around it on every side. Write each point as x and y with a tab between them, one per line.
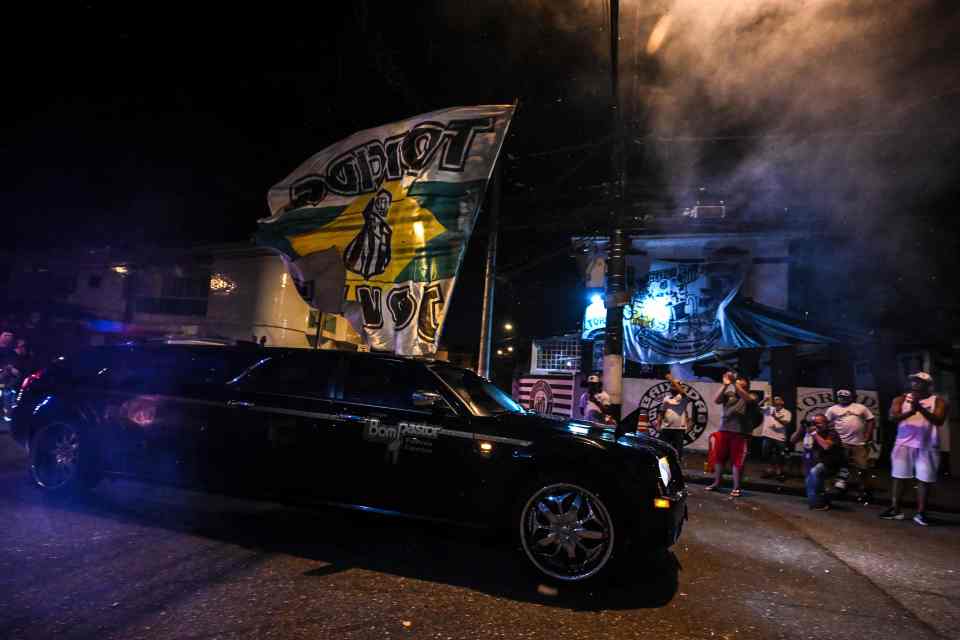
678	311
376	225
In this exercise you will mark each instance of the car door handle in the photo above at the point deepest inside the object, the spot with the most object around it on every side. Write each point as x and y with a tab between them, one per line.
241	404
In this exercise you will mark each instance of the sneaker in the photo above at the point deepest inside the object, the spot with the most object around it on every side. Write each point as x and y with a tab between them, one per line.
921	519
892	514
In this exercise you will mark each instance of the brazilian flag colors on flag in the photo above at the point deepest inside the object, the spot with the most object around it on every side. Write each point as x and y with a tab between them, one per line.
376	225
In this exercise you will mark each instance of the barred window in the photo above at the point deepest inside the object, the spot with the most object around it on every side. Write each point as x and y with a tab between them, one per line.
556	354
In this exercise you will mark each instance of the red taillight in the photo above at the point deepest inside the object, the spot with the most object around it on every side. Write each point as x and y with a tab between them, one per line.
30	379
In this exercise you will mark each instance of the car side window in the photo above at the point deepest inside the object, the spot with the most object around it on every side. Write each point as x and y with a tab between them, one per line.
382	383
312	375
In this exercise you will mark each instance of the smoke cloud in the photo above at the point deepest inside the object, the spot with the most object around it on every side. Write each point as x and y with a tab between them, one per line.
845	105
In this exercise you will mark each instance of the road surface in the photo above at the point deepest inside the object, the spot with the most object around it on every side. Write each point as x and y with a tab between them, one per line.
135	561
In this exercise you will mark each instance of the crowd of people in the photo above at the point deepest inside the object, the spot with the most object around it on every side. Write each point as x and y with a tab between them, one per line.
834	444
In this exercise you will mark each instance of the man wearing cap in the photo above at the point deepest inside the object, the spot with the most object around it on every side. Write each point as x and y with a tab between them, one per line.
593	400
855	423
916	454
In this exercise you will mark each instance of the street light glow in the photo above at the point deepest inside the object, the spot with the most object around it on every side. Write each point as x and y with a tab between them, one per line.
508	327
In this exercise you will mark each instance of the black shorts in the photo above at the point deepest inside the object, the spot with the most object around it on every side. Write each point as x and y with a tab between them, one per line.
774	451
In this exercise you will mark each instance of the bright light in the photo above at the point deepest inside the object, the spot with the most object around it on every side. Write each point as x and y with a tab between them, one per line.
596	299
508	327
486	447
121	269
664	465
510	349
661	503
499	352
656	309
659	34
221	284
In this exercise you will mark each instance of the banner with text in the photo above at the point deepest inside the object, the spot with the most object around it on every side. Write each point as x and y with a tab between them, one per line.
375	226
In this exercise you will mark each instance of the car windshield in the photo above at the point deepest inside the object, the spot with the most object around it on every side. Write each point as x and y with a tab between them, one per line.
482	397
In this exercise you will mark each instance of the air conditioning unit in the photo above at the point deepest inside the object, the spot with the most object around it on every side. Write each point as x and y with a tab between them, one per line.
709	207
709	212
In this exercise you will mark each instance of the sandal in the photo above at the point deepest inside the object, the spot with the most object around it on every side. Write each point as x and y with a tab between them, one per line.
736	493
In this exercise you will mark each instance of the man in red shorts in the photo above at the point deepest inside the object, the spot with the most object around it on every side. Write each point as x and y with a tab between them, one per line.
735	428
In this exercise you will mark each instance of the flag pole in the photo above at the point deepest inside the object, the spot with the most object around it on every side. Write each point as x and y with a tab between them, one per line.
490	276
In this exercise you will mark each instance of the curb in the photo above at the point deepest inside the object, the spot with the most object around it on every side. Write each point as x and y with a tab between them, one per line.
882	497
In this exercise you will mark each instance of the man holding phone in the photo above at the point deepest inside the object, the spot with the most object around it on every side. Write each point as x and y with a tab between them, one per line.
736	427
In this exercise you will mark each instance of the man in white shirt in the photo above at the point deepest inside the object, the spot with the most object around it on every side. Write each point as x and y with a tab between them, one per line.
674	421
855	423
919	415
776	421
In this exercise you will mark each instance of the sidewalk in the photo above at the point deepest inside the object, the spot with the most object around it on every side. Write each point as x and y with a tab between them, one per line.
944	497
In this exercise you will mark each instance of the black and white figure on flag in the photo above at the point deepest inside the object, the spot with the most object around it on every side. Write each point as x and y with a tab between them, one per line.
369	253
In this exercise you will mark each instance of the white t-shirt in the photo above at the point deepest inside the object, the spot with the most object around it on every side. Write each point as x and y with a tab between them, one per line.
850	422
775	423
674	411
916	431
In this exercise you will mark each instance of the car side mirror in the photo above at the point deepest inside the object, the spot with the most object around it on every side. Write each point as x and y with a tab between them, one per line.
427	400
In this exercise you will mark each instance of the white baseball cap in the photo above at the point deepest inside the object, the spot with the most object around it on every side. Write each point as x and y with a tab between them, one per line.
844	393
593	379
923	376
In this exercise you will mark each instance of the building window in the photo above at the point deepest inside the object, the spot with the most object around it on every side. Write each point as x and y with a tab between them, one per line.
330	323
172	306
556	354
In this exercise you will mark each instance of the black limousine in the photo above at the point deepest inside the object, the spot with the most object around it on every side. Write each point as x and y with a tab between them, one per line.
376	432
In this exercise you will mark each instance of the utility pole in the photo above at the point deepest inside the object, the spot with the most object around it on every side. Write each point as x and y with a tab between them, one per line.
486	323
616	261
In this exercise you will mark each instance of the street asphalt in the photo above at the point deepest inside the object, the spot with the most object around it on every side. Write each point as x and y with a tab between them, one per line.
136	561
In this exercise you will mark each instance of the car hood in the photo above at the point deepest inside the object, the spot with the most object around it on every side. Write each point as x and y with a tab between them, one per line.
533	426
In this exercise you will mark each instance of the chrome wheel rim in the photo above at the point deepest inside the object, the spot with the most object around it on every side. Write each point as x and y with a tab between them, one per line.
566	531
57	456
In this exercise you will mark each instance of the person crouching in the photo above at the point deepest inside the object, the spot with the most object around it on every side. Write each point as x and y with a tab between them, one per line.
822	456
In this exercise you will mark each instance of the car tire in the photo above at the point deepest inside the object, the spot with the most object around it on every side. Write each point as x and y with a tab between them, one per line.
60	462
567	531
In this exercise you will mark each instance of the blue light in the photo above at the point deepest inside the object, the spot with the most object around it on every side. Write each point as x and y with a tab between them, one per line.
596	299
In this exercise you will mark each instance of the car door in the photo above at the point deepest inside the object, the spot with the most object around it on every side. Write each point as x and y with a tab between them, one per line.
285	435
412	454
152	426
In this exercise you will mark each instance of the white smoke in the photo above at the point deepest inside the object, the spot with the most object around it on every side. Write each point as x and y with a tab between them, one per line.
844	105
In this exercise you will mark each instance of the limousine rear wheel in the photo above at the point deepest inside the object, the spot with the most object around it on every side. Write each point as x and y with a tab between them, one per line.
57	458
567	532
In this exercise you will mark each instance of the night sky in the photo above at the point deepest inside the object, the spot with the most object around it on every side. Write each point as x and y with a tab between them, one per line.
155	126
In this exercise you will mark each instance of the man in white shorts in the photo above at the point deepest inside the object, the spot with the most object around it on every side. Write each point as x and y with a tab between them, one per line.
916	454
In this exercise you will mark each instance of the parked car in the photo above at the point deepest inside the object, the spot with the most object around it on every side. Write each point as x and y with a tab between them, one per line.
379	432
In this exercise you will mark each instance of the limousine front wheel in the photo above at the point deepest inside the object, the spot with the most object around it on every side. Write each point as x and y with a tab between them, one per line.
567	532
57	458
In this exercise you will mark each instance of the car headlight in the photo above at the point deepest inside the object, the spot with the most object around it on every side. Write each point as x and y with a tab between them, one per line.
664	464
